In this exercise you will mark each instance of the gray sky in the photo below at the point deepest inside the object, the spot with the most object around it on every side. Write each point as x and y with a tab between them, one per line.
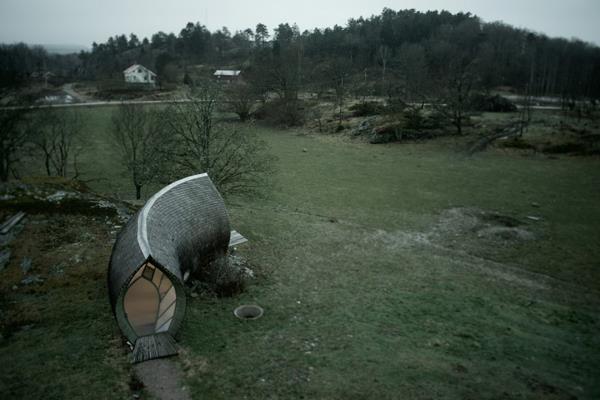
84	21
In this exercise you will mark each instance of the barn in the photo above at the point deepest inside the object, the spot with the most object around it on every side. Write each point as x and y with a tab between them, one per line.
180	229
139	74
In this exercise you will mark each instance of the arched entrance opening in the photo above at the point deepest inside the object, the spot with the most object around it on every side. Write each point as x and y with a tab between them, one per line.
150	301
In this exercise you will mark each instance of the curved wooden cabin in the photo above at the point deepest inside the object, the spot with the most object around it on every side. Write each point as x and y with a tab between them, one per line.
180	229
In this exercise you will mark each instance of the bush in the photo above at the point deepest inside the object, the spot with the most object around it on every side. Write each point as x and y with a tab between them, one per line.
224	277
285	112
395	105
435	120
517	143
413	125
366	108
385	133
241	98
396	132
566	148
187	79
116	89
413	119
497	103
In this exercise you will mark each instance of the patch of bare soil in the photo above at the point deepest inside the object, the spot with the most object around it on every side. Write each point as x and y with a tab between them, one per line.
474	224
162	379
459	228
472	237
398	240
477	237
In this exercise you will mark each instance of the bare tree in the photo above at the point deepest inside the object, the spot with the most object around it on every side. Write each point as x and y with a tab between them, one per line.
383	56
526	111
241	98
137	134
56	136
15	129
338	72
455	97
456	72
236	161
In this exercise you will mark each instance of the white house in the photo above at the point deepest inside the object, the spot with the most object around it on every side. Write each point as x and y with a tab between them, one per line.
227	75
139	74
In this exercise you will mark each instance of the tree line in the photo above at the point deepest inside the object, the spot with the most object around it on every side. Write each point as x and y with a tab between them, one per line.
396	53
406	52
20	64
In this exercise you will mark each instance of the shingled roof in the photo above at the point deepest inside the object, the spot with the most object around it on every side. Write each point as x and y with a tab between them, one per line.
227	72
134	67
180	229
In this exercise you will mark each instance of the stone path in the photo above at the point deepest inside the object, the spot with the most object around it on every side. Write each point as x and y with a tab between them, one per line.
163	379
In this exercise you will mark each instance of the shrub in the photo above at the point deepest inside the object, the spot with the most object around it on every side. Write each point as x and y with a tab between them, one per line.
385	133
562	148
224	277
497	103
366	108
517	143
412	125
287	112
241	98
413	119
395	105
187	79
395	132
435	120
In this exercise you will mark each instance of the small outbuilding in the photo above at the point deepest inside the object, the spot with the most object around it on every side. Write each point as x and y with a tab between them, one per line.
180	229
137	73
227	75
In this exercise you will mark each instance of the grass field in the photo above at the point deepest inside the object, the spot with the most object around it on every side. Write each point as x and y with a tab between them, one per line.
385	271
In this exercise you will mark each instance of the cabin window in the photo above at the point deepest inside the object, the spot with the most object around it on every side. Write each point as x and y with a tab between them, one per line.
150	301
148	272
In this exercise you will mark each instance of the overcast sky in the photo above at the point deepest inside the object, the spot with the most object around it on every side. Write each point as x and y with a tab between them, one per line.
81	22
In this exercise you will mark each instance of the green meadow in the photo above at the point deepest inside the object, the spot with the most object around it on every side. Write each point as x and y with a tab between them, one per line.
400	271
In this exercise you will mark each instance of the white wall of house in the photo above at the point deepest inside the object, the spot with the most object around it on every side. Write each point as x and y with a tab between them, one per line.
139	74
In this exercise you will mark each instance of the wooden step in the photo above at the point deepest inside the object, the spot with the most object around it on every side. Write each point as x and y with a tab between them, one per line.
154	346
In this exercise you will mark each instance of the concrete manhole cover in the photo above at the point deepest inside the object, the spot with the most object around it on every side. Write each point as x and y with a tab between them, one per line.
248	311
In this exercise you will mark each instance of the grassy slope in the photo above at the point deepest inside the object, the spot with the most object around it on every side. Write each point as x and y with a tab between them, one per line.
362	308
365	307
98	163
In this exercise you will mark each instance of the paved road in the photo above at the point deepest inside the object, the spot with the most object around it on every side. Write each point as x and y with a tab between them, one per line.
173	101
84	101
68	89
97	103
